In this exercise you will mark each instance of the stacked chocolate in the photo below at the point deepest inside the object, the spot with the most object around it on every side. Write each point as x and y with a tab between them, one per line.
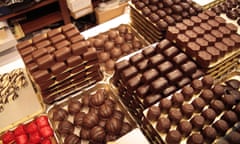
116	43
95	116
153	73
207	38
60	61
202	112
152	17
230	8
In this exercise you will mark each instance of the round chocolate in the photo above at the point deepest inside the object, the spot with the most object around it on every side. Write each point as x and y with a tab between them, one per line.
116	52
165	104
162	25
198	103
65	128
114	126
197	85
198	121
126	127
154	17
60	114
221	126
177	99
175	115
187	92
170	20
185	127
98	134
105	111
218	90
232	15
103	57
110	65
146	11
185	5
173	136
108	45
195	138
74	106
119	40
129	37
229	100
90	120
78	119
233	137
123	29
209	133
153	8
118	115
98	43
163	124
153	113
187	109
93	110
125	48
168	3
110	102
217	105
207	81
84	134
209	114
112	34
97	99
177	8
86	100
207	95
230	116
72	139
102	123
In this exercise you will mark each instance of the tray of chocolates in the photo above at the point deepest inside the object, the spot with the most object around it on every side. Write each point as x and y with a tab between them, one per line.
209	39
229	9
60	62
116	43
205	111
18	100
93	116
37	130
152	73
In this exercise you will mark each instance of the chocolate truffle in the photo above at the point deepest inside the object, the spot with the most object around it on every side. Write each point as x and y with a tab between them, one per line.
153	113
195	138
163	124
146	11
233	137
207	81
90	120
221	126
125	48
60	114
159	84
209	114
197	85
84	134
198	121
123	29
108	45
187	110
126	127
112	34
105	111
209	133
165	104
119	40
86	100
177	99
230	117
72	139
154	17
129	37
78	119
65	128
175	115
74	106
109	65
118	115
149	75
103	57
97	99
113	125
116	52
217	105
187	92
173	136
229	100
97	134
136	44
185	127
207	95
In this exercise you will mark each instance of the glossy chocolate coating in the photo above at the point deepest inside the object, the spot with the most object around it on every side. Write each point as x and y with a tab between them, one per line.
60	114
97	134
90	120
185	127
65	128
74	106
78	119
173	136
153	113
105	111
163	124
113	125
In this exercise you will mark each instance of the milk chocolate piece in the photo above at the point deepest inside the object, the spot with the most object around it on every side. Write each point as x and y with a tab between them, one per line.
177	99
142	90
62	54
230	116
129	72
217	105
207	81
90	120
78	48
76	38
175	115
170	20
65	128
191	34
136	44
189	23
229	100
143	65
116	52
26	51
139	5
193	48
43	44
203	16
57	38
172	33
50	49
189	67
74	60
204	58
197	85
209	133
209	114
153	113
60	114
39	52
170	89
32	67
173	136
72	32
211	39
213	23
62	44
45	61
207	95
233	28
113	125
58	68
198	103
159	84
162	25
125	48
221	126
182	40
180	58
174	75
229	43
206	27
62	76
187	110
236	39
198	121
122	65
39	38
163	44
90	54
181	27
184	81
134	81
149	75
136	58
233	137
156	59
185	127
46	84
154	17
163	124
28	59
187	92
165	67
151	99
67	27
165	104
218	90
171	51
195	138
150	51
72	139
24	44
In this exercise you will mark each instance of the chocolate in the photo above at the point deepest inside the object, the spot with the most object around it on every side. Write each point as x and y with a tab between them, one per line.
198	103
126	127
98	98
197	85
207	95
76	38
177	8
169	90
162	25
139	5
163	44
60	114
90	120
122	65
136	44
191	34
233	83
214	52
187	110
125	48
143	65
72	139
108	45
181	27
156	59
159	84
218	90
209	133
58	68
165	67
163	124
113	126
45	61
154	17
187	92
175	115
182	40
105	111
189	67
195	138
98	43
172	33
150	51
78	48
233	28
221	126
57	38
180	58
143	90
61	44
217	105
97	134
116	52
173	136
65	128
230	117
209	114
171	51
197	121
78	119
62	54
151	99
174	75
136	58
129	37
41	75
74	106
233	137
193	48
185	127
129	72
85	134
43	44
39	52
165	104
118	115
119	40
149	75
153	113
73	61
177	99
72	32
229	100
207	81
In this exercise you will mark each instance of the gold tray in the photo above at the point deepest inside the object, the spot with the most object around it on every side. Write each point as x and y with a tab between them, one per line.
88	91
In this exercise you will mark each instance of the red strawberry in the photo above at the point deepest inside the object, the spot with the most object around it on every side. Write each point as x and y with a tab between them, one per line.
22	139
46	141
46	131
42	121
19	130
35	137
31	127
8	137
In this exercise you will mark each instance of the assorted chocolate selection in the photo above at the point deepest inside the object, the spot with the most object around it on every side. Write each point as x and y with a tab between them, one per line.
230	8
95	117
114	44
206	37
153	73
201	112
59	61
37	131
10	84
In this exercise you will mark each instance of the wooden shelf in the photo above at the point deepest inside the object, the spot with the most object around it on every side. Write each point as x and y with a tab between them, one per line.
41	22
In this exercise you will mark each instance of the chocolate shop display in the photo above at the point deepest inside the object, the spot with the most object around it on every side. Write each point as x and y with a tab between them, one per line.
94	116
60	62
205	114
151	18
153	73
